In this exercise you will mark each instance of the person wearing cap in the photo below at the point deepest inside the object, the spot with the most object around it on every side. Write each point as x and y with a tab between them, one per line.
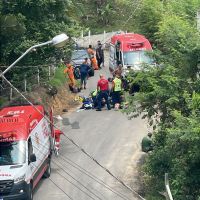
103	92
99	55
147	144
116	91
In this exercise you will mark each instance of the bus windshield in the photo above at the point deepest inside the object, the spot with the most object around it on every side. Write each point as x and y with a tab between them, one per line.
136	57
12	152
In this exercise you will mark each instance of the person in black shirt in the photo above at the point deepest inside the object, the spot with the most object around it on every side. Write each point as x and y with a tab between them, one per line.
99	55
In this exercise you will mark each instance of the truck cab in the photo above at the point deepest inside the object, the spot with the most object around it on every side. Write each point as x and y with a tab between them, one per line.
25	150
130	50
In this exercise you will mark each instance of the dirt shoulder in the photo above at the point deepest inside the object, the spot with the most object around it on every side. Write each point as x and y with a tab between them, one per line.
63	100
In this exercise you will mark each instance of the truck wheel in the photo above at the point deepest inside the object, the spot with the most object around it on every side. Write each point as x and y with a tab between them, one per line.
47	173
30	192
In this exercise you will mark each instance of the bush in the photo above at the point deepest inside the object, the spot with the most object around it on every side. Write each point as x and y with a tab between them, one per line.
59	77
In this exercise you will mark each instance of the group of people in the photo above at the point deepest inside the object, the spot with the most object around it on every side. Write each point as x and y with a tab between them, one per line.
104	93
96	60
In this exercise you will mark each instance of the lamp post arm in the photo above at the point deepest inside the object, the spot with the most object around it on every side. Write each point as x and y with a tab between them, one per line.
27	51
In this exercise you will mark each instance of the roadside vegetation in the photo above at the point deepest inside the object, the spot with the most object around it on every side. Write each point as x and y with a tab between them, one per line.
29	22
59	78
169	92
170	96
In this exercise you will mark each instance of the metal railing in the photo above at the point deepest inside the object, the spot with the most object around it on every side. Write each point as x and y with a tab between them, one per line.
84	41
40	75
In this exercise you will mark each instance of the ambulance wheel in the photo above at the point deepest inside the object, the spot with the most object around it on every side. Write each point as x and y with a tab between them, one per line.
47	173
30	192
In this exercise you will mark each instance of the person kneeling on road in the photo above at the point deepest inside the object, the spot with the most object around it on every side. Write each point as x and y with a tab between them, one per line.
93	95
103	92
147	144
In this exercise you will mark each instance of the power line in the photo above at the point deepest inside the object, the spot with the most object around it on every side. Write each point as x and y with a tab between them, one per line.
61	189
78	182
32	139
85	172
69	176
78	167
78	146
132	13
37	167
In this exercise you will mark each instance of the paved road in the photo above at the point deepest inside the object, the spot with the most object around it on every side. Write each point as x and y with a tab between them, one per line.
110	138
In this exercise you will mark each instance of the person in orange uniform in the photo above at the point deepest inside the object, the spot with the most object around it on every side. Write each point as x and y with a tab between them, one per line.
92	57
69	70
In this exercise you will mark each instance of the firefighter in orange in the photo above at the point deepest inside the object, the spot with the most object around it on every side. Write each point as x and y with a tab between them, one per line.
69	70
92	57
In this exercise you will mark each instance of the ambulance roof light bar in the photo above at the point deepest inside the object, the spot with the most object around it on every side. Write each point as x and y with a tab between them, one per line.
136	44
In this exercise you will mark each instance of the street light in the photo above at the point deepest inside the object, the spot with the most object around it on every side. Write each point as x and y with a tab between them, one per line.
58	41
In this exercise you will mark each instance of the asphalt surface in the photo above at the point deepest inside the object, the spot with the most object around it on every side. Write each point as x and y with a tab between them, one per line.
110	138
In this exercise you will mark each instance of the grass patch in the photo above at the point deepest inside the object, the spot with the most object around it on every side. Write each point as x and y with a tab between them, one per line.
59	77
2	101
156	197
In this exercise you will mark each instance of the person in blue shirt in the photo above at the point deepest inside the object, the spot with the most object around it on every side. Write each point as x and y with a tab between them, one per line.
84	69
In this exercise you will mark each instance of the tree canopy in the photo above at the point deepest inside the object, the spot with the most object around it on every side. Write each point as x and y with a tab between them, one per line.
28	22
170	96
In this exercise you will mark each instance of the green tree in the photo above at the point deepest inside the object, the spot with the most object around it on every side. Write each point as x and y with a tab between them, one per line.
148	16
169	97
99	15
28	22
25	23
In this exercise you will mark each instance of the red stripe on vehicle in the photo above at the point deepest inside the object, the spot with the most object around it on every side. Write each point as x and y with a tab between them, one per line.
39	176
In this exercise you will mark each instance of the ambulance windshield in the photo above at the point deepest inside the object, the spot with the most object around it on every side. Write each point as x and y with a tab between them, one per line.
12	152
136	57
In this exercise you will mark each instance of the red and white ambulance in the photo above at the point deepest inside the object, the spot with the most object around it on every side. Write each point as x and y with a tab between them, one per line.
130	50
25	150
